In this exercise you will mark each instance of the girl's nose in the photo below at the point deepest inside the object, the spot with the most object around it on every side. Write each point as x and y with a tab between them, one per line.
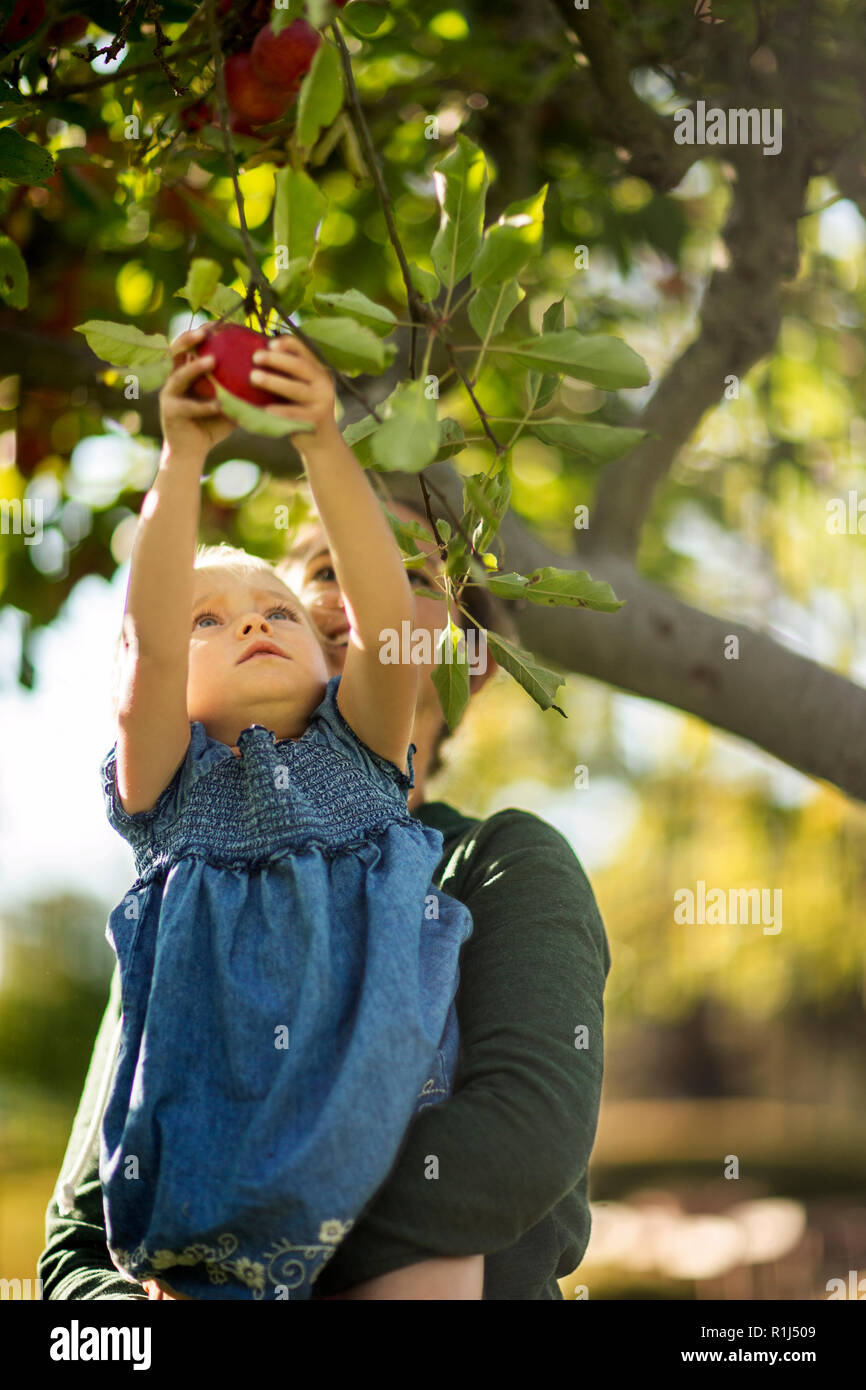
249	625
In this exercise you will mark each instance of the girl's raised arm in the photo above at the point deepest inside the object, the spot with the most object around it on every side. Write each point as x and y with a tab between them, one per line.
152	723
375	698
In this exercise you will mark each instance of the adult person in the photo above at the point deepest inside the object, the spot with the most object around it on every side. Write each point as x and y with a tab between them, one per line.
530	1009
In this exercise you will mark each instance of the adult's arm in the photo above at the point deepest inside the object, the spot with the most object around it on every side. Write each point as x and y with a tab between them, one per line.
517	1134
75	1262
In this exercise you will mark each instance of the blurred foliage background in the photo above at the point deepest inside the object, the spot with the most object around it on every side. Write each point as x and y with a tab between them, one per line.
720	1041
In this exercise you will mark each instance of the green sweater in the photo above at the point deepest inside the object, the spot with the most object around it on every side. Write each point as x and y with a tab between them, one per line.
513	1141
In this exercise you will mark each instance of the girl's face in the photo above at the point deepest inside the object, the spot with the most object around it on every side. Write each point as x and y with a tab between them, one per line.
254	656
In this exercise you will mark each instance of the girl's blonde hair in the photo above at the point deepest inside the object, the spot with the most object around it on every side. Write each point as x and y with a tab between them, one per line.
223	556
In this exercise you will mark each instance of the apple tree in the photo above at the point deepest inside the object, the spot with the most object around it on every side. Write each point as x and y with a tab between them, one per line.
421	193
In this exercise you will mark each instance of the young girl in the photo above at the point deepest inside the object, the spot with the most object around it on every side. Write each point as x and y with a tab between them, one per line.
288	969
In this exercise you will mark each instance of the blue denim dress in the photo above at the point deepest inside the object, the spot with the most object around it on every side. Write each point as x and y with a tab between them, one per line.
288	975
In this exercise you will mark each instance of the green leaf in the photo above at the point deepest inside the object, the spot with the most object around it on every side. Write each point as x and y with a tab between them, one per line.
602	360
405	534
299	206
485	499
349	345
319	12
409	438
321	95
461	187
542	388
290	284
201	281
598	443
365	310
123	345
451	677
227	305
365	20
512	241
358	437
23	161
256	420
283	14
491	307
537	680
568	588
14	281
451	438
424	282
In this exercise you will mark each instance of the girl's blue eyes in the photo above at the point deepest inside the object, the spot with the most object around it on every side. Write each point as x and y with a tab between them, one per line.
286	612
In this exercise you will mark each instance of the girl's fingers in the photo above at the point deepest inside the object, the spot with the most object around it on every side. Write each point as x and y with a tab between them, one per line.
290	387
183	376
193	410
187	340
288	356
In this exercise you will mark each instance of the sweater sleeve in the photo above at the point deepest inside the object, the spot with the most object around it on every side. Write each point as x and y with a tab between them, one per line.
516	1135
75	1262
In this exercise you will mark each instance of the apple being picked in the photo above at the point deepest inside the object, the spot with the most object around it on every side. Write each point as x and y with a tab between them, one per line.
233	346
282	59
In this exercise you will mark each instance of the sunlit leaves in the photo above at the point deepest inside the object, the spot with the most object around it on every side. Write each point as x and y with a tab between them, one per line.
124	345
321	95
290	283
409	438
360	307
602	360
255	418
573	588
597	443
201	282
299	206
451	672
537	680
491	307
461	185
511	242
350	346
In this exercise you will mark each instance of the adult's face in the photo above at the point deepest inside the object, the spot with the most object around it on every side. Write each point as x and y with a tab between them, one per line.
312	577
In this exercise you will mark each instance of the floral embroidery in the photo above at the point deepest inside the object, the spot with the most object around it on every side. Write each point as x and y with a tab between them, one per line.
286	1264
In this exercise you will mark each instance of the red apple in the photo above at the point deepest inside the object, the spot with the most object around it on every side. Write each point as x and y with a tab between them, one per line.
233	346
281	59
250	98
24	20
68	30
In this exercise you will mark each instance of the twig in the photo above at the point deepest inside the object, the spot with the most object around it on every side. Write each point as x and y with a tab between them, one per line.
122	72
153	10
485	423
417	307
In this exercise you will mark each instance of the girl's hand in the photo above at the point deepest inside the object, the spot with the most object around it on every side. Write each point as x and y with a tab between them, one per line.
190	425
289	369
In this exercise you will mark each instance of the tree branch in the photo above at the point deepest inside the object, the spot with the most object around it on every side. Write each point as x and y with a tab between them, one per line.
662	649
739	322
630	121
